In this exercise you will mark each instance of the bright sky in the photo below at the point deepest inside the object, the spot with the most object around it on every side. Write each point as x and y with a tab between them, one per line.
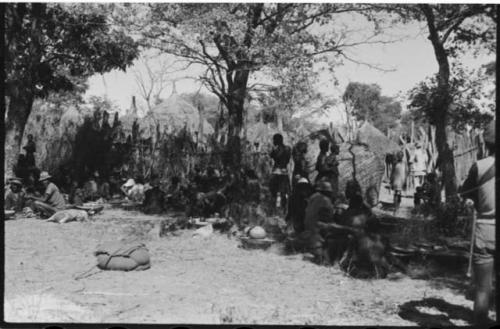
411	61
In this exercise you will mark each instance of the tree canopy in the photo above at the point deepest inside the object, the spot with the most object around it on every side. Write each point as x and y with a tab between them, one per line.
471	102
47	46
232	40
369	104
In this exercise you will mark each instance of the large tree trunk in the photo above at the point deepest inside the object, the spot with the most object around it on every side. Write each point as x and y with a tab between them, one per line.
442	104
447	161
236	104
235	128
17	115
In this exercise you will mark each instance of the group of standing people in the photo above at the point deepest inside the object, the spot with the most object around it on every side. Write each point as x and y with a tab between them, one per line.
326	167
407	170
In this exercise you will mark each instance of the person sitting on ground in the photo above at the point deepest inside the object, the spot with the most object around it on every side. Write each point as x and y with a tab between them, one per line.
52	201
154	198
319	210
15	197
104	189
212	180
208	204
298	203
176	198
253	189
133	191
91	189
114	183
76	194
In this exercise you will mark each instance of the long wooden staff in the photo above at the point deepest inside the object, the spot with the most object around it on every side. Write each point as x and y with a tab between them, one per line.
472	239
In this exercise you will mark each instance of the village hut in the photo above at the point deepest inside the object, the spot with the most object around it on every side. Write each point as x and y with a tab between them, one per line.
362	158
261	134
174	114
54	127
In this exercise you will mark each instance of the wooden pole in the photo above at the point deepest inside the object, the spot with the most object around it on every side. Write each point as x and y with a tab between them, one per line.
412	131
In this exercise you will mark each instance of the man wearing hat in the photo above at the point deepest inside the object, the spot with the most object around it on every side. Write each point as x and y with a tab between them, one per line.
133	190
52	201
15	198
480	188
319	209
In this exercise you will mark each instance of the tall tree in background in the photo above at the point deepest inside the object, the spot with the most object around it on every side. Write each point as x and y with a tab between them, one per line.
45	46
452	30
233	40
366	102
154	75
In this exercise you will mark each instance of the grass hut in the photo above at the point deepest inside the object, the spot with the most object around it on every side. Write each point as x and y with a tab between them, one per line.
365	156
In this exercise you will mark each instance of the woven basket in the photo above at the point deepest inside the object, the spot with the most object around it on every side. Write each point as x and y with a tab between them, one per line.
249	243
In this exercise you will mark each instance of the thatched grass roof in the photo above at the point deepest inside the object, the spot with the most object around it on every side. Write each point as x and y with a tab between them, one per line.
376	141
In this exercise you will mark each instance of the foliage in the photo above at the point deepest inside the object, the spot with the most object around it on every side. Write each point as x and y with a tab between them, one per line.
100	103
368	103
153	76
47	44
47	47
452	30
471	103
233	40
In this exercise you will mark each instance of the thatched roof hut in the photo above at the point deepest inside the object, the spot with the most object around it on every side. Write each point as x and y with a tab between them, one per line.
366	155
375	140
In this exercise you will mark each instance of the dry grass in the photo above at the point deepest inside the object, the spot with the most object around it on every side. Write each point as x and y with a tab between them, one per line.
193	279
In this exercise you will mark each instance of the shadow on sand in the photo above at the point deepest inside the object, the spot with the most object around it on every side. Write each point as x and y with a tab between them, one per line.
410	311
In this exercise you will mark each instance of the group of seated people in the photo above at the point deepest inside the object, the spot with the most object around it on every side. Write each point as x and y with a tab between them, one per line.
325	228
46	203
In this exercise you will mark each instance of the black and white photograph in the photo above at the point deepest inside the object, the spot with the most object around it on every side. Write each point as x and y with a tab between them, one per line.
249	163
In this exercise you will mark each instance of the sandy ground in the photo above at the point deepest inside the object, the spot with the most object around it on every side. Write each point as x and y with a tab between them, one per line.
200	280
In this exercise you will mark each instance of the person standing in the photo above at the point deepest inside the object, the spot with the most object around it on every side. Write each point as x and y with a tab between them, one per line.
321	167
30	149
332	169
479	187
279	183
300	163
419	166
52	201
398	177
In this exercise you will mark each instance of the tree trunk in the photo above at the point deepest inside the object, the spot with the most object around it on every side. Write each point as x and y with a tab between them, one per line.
17	115
441	104
235	128
236	106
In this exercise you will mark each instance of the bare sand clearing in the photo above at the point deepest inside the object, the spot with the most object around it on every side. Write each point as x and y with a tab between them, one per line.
195	280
